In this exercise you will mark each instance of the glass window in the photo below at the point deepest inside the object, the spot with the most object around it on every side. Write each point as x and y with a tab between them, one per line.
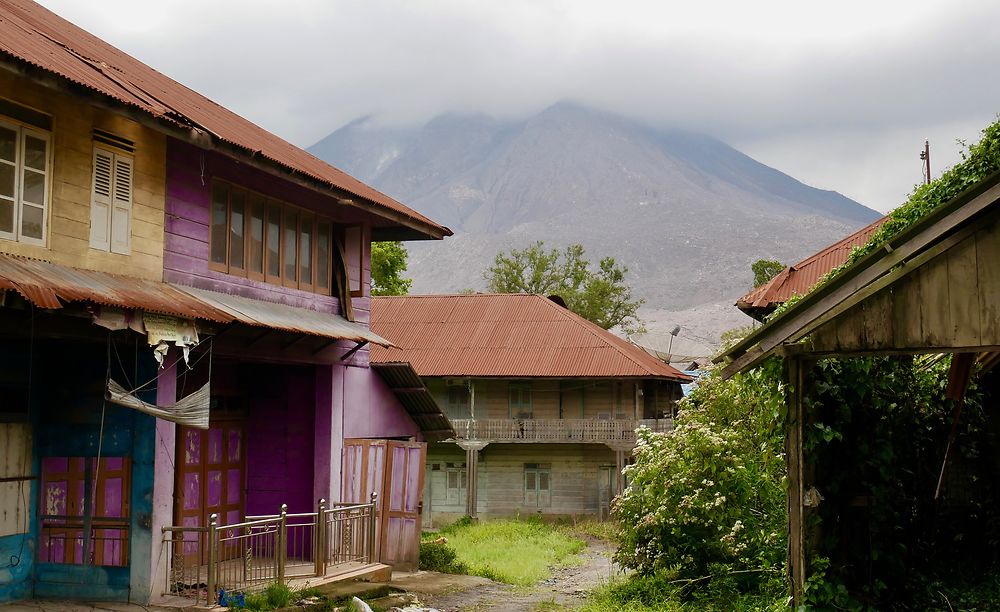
323	257
237	227
256	237
220	216
24	178
273	241
291	248
306	251
537	479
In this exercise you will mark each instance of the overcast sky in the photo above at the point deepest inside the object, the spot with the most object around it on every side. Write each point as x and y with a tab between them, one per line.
837	94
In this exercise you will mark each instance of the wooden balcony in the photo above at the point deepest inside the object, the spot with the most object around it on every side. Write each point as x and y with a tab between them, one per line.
569	431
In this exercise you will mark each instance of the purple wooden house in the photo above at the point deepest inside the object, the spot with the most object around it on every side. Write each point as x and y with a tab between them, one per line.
139	219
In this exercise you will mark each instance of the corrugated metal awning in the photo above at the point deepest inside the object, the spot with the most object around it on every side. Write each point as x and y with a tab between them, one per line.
49	285
411	392
284	317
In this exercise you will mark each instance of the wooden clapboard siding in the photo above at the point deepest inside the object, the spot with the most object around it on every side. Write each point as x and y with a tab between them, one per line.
190	172
68	230
580	398
948	302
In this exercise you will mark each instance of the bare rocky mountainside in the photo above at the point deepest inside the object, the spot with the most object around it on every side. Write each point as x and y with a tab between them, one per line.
686	213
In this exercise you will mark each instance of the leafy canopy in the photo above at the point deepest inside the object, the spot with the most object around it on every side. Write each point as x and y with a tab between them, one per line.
764	270
388	266
599	295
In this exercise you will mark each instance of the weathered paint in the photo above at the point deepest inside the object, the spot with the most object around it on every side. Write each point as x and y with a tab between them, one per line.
189	180
163	477
68	230
373	410
70	410
17	550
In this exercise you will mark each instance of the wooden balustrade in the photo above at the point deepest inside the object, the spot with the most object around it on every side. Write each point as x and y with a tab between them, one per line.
551	430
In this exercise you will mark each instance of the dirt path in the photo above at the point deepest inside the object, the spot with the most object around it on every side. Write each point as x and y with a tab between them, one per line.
567	587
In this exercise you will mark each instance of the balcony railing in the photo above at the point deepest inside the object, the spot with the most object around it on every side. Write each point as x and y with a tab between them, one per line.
553	430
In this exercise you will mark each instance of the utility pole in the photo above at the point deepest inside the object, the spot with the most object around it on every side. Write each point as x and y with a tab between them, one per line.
925	155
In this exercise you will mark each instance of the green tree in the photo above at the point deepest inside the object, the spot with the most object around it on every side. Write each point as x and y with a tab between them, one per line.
764	270
599	295
388	266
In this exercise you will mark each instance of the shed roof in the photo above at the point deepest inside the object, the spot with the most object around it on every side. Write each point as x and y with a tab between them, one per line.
504	335
939	254
416	398
798	279
32	34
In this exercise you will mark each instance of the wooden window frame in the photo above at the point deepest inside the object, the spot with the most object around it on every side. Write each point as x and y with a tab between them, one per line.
536	470
22	130
304	219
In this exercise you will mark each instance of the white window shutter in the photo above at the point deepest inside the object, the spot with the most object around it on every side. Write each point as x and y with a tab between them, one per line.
100	207
121	215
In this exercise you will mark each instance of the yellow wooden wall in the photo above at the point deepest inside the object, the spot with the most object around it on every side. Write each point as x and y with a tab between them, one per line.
68	231
952	301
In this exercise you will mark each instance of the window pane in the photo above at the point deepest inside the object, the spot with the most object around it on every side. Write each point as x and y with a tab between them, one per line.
33	189
34	153
31	221
291	249
305	251
7	174
529	481
273	240
220	205
7	216
8	143
452	480
237	205
257	234
323	256
543	481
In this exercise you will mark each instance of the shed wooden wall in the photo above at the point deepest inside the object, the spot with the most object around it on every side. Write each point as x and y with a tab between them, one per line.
950	302
68	231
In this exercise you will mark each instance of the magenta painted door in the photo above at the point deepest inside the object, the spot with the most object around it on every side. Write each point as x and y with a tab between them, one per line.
210	472
395	470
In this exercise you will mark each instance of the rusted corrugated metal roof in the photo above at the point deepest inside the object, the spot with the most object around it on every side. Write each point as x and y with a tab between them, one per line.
49	285
403	380
41	38
504	335
281	316
801	277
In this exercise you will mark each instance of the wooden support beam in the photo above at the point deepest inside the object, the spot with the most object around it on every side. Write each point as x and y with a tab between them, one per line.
293	341
794	379
348	354
258	338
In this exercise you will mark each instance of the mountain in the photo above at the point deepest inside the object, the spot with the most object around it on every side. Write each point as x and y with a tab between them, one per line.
685	212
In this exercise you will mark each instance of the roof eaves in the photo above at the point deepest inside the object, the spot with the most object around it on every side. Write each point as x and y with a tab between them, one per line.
822	291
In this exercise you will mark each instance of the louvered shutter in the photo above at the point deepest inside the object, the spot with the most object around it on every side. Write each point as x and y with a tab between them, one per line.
121	215
100	207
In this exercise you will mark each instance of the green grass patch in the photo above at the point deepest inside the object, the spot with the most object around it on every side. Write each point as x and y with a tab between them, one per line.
659	593
589	527
518	552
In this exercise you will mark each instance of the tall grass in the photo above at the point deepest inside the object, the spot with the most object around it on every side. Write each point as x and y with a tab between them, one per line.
512	551
658	593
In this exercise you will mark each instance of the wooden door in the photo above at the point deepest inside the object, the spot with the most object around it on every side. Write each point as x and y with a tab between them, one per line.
395	470
210	476
605	490
404	486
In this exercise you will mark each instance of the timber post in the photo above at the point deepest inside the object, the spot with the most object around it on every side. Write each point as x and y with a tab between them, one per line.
794	458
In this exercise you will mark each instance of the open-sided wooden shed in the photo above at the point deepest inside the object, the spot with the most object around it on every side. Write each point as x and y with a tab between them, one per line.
933	288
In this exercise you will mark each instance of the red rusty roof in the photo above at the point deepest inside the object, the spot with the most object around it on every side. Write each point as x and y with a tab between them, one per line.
504	335
801	277
41	38
48	285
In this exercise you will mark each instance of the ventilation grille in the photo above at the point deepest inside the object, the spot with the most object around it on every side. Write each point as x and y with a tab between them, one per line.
113	140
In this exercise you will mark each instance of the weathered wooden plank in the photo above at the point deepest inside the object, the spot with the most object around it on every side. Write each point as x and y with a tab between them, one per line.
935	315
988	254
963	294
